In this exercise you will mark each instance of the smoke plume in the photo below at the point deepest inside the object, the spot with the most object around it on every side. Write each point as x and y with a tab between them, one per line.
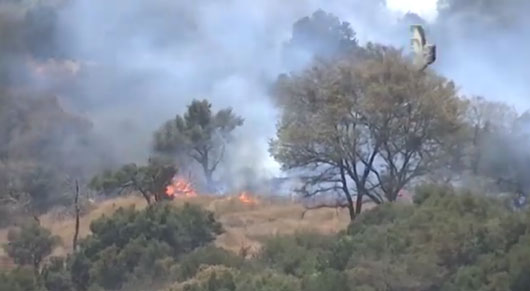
130	65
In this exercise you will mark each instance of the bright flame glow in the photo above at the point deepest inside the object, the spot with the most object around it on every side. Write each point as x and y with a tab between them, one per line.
245	198
179	187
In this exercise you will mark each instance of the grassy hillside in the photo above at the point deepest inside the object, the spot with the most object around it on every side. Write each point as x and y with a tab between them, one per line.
246	225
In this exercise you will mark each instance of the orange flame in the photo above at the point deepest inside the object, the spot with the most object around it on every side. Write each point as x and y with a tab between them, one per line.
179	187
245	198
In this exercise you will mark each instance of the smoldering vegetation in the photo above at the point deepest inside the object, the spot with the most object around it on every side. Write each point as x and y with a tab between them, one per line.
126	67
127	96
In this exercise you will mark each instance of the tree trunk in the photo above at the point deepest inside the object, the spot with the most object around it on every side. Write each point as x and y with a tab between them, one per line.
144	193
208	174
351	209
36	271
359	203
347	193
146	197
77	211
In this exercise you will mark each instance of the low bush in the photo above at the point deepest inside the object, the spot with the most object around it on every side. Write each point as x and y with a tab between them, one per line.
190	264
142	245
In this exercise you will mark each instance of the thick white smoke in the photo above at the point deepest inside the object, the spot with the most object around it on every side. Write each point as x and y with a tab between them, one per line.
144	61
151	58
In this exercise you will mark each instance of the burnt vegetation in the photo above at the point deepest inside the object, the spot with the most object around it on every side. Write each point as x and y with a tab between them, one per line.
360	123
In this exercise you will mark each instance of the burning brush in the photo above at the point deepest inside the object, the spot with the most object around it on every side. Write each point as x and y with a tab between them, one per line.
245	198
180	187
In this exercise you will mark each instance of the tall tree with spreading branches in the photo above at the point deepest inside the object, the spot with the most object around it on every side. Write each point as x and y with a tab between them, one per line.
200	134
366	128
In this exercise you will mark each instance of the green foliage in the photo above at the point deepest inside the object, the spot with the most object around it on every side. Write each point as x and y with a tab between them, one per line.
20	279
320	35
190	264
424	192
138	246
30	245
150	180
55	275
341	117
268	281
442	242
328	279
211	279
296	255
448	240
199	134
79	270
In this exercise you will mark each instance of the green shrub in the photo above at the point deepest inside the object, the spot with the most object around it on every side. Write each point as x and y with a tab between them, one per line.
140	246
295	255
20	279
450	240
210	278
30	244
55	275
424	192
268	281
327	280
210	255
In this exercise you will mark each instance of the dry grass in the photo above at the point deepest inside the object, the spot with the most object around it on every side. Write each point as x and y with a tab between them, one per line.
245	225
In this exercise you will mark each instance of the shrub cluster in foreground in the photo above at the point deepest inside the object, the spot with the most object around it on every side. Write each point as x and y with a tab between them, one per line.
446	241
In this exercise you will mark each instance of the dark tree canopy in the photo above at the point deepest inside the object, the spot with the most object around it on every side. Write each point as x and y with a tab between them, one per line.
150	180
199	134
132	241
30	245
321	35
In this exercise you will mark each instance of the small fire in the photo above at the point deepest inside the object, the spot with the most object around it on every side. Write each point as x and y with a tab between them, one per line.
245	198
179	187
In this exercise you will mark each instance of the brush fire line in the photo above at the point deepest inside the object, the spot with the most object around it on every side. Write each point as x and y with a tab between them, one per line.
245	198
181	188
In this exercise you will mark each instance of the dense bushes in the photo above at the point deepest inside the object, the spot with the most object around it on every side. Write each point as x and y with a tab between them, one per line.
20	279
132	245
220	278
190	264
29	245
447	241
297	255
130	250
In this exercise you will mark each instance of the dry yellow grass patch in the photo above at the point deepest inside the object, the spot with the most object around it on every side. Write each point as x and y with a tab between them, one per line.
245	224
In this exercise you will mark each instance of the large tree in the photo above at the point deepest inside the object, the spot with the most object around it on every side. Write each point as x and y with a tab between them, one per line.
486	119
200	134
504	158
365	129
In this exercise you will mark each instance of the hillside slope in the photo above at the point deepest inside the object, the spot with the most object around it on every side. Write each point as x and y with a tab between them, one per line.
245	224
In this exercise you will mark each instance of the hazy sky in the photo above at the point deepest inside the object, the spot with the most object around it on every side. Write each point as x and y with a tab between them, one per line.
424	8
146	60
